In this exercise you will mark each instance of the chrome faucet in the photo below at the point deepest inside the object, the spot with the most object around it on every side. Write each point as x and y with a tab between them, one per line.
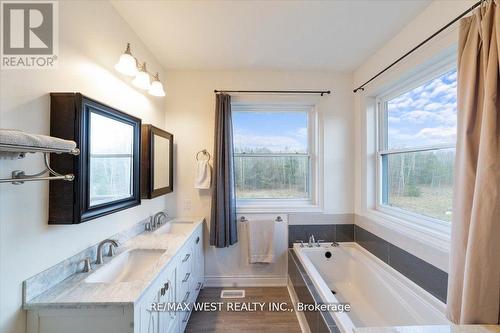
311	241
319	241
112	243
157	219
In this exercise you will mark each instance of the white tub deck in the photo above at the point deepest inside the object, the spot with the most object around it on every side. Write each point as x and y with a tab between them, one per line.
378	294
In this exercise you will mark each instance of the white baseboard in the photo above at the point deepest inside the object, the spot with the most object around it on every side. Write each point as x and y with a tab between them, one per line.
300	315
245	281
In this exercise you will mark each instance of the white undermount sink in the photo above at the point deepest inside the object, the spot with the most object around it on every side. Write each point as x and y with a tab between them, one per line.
175	227
126	267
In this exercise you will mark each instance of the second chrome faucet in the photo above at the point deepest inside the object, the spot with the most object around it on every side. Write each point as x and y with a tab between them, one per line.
112	245
156	221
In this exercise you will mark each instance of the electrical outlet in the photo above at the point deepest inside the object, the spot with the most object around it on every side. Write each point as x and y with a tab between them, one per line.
187	204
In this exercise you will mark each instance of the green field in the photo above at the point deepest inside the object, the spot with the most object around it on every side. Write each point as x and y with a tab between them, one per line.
432	201
270	194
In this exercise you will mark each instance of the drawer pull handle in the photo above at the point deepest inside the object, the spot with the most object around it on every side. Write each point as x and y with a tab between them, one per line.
199	286
186	277
165	288
186	317
186	297
186	257
197	239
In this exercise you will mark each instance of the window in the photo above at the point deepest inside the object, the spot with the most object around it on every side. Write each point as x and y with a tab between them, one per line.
417	134
273	152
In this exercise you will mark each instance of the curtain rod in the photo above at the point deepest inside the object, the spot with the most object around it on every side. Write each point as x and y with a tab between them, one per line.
362	87
321	92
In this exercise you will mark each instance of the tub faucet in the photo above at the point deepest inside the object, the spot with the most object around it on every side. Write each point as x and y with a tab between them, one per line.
319	241
311	241
112	243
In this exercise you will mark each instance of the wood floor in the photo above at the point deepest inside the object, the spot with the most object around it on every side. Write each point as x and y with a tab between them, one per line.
245	322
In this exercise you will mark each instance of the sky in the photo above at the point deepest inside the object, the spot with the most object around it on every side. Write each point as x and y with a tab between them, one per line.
278	131
426	115
423	116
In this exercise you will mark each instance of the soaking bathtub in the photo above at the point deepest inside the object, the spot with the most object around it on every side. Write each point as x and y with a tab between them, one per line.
378	294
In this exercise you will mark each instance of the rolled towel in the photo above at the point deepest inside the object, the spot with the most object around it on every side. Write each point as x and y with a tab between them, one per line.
26	140
203	175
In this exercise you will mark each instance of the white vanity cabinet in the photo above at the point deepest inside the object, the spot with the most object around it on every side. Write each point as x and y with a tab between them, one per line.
167	320
180	280
198	262
161	291
191	275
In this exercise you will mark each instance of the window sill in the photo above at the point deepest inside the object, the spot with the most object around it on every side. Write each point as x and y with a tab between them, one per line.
282	206
420	230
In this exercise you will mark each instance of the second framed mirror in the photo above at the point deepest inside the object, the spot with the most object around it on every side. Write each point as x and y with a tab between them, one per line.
156	161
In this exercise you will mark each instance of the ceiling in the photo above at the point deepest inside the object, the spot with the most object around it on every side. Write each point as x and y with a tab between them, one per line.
301	35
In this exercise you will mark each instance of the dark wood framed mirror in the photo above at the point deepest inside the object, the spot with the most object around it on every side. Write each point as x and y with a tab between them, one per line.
157	162
107	171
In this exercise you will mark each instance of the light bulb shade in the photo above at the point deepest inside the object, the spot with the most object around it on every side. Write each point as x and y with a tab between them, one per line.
141	80
157	89
127	65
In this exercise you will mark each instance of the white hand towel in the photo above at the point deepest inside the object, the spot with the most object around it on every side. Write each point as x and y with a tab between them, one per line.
203	175
260	241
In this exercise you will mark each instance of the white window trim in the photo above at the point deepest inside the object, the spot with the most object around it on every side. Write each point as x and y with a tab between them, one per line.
315	202
417	226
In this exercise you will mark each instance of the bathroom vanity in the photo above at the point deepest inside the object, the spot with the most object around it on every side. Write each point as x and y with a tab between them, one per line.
148	272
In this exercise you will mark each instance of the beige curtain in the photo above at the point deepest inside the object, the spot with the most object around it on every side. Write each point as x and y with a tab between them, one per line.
474	276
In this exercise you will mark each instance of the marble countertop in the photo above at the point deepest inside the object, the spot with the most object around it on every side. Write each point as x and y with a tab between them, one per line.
431	329
75	292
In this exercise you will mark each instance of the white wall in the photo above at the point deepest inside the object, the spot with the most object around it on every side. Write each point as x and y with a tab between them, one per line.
92	36
190	117
435	16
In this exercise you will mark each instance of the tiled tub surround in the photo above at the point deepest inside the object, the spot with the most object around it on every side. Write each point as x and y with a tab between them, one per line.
427	276
378	295
75	292
306	292
325	232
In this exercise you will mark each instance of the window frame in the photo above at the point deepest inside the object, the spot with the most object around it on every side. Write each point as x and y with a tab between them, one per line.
312	203
382	149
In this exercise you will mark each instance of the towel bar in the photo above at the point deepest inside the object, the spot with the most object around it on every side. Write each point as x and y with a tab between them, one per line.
19	177
277	219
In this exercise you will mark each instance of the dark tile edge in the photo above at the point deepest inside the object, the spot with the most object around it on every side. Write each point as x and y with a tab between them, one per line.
318	322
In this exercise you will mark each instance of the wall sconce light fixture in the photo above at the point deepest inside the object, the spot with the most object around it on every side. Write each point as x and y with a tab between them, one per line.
130	66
